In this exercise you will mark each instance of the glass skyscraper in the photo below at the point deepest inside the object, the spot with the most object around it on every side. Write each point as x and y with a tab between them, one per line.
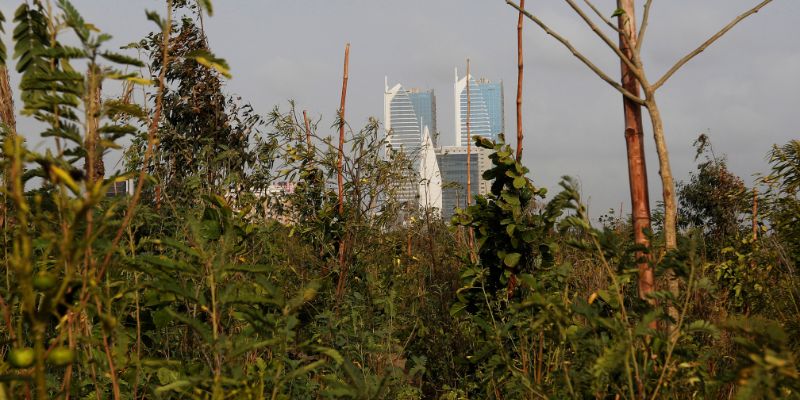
485	107
407	133
424	102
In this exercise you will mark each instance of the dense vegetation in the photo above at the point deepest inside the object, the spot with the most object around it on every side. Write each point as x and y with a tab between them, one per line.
190	288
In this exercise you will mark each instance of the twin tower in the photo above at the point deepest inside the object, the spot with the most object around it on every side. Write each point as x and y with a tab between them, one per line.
439	178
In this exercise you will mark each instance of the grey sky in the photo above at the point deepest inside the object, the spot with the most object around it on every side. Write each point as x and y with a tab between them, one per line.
744	90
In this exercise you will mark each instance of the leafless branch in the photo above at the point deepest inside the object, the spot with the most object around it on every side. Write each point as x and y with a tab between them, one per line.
707	43
578	54
643	27
602	17
613	46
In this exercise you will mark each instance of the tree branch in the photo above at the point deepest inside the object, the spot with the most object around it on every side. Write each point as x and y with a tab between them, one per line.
579	55
622	56
643	27
602	17
707	43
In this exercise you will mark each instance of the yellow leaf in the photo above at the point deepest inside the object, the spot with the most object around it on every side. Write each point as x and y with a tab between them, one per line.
64	177
140	81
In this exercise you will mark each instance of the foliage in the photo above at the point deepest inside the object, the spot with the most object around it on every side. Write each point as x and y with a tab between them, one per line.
213	287
714	199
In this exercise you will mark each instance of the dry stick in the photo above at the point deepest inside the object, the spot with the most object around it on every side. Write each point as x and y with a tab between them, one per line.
470	234
339	175
520	67
308	130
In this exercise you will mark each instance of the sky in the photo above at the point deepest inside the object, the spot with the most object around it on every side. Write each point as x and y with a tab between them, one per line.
744	91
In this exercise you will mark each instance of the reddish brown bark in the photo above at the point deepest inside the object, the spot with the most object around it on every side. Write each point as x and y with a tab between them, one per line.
634	140
520	68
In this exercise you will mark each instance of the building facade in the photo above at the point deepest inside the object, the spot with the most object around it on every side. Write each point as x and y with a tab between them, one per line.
424	102
452	162
406	118
485	107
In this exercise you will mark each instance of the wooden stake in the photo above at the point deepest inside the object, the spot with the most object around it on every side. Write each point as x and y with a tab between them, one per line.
470	233
340	176
308	130
520	68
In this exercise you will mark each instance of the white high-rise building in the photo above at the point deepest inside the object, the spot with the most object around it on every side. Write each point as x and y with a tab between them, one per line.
485	108
430	177
406	133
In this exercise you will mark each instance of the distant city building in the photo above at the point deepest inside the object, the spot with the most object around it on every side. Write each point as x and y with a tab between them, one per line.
485	108
452	162
424	102
120	189
406	118
430	177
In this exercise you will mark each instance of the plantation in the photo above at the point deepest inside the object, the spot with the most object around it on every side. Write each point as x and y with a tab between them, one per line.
194	284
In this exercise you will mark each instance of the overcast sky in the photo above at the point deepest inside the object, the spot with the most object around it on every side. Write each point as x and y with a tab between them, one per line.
744	91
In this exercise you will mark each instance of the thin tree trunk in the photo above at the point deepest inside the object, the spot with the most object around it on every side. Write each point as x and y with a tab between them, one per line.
520	70
755	214
634	140
8	119
7	102
470	234
665	171
469	143
340	177
308	130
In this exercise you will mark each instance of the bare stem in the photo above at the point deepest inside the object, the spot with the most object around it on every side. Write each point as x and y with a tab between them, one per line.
707	43
578	54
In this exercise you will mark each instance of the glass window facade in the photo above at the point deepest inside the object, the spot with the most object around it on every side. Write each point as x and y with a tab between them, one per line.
424	103
452	167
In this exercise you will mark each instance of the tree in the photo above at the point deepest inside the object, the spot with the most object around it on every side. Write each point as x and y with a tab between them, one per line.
207	140
634	77
714	199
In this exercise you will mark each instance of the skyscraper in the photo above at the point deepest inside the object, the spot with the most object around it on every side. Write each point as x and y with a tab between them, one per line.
406	118
424	102
485	106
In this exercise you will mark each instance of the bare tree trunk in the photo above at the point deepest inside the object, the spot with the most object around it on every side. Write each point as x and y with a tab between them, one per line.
665	171
340	176
520	70
634	140
469	143
93	164
7	102
8	119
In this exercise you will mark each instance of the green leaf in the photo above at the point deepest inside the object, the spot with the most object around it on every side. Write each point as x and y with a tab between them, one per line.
519	182
207	6
512	259
122	59
153	16
618	12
